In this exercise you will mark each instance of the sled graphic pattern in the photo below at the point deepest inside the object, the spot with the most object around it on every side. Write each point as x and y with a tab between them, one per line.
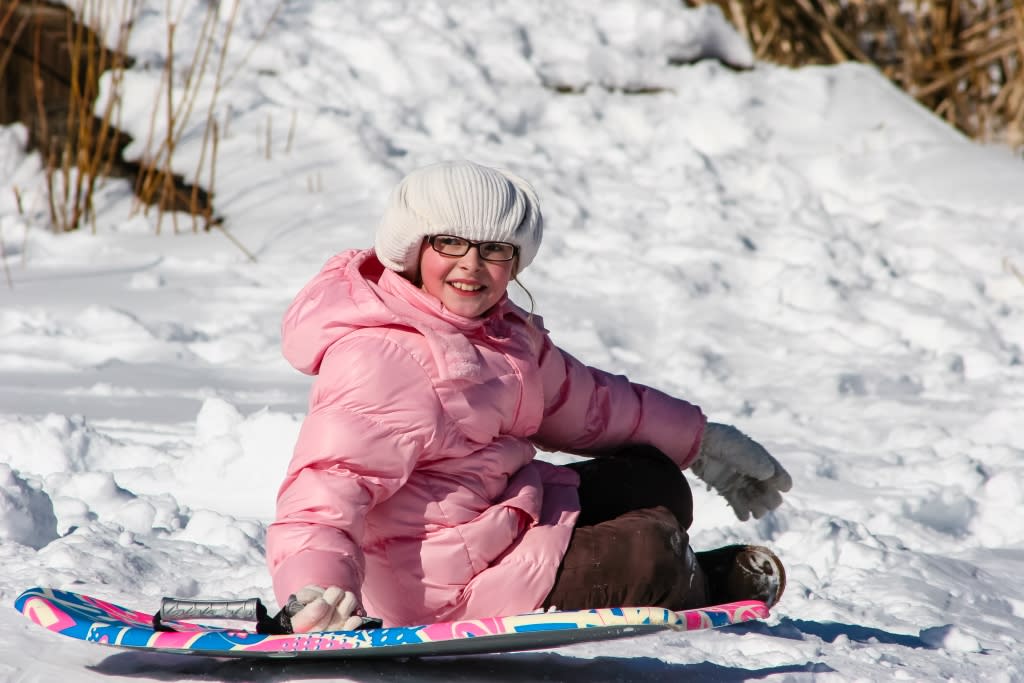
90	619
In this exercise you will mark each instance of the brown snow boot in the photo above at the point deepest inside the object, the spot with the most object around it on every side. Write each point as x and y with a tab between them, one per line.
743	572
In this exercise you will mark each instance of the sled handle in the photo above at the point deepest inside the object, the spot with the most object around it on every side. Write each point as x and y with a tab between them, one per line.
181	608
250	609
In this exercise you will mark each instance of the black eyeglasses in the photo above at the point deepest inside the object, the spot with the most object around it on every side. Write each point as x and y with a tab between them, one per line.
450	245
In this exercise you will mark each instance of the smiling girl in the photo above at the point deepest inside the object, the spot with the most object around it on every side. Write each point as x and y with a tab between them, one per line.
414	493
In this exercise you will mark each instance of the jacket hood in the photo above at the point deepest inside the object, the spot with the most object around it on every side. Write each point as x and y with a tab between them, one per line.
354	291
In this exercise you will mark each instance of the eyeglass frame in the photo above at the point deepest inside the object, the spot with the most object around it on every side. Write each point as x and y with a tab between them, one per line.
470	244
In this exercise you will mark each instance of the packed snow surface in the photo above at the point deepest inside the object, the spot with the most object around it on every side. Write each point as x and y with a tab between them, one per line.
807	254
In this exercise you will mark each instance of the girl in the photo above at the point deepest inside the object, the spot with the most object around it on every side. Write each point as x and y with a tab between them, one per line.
414	494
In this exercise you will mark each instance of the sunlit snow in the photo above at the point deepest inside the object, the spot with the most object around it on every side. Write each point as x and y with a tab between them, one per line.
807	254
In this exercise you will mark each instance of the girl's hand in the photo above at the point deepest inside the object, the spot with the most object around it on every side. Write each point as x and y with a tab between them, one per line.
324	609
741	470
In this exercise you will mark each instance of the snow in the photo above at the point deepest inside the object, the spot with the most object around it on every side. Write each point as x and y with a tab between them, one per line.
807	254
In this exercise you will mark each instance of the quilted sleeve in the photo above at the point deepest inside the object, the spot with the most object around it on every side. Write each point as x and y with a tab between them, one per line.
373	414
587	411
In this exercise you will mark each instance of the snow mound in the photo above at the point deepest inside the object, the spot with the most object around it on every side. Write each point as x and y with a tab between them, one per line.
26	512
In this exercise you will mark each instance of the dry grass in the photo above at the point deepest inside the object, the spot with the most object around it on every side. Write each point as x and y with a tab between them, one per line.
80	145
52	66
963	59
91	141
155	186
53	86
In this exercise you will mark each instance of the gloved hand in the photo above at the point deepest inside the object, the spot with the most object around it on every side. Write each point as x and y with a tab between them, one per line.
314	608
741	470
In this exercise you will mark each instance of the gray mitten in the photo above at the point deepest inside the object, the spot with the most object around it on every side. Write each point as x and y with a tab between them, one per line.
741	470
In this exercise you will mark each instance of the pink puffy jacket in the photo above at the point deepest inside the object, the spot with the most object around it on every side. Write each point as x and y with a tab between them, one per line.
413	481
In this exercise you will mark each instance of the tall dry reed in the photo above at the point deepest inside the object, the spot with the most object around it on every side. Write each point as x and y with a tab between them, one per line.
80	145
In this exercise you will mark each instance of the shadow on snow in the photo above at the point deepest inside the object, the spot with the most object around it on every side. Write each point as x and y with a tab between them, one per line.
829	631
496	668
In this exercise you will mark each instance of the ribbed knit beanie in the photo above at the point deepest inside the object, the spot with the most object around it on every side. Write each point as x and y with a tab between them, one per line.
463	199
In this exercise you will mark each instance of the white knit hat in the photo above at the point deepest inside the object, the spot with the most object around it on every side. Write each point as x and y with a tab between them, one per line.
463	199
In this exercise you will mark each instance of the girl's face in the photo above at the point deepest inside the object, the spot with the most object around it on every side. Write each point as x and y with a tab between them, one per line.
467	285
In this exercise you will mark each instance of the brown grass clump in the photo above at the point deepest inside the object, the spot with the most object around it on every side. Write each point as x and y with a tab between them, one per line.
963	59
51	62
51	68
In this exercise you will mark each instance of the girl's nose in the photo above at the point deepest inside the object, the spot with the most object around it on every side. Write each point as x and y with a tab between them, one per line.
471	259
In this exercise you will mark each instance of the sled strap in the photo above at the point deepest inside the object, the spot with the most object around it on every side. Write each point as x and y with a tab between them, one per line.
250	609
